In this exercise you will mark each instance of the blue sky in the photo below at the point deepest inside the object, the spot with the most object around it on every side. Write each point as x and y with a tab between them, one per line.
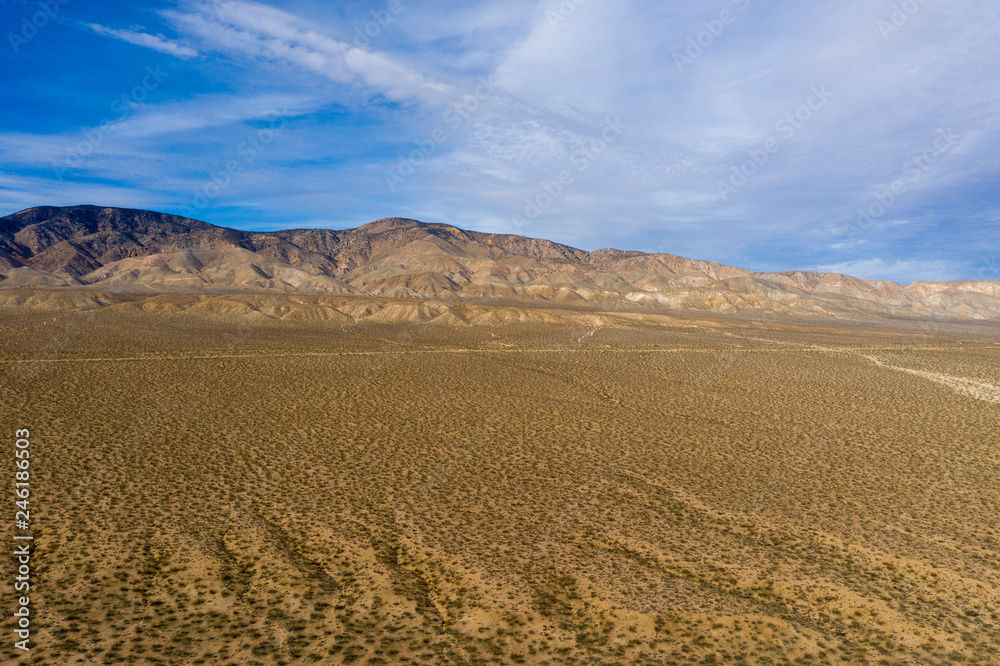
858	136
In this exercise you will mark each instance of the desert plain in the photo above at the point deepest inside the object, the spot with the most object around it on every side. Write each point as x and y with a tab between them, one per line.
261	479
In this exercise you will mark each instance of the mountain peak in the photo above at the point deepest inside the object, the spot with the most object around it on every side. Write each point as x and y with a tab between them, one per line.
129	249
390	224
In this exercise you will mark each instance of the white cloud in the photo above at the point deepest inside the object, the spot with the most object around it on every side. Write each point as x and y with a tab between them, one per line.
18	193
110	140
211	112
902	271
656	186
259	31
155	42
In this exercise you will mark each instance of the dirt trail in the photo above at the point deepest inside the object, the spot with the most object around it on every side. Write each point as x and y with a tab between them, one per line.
976	389
505	350
196	357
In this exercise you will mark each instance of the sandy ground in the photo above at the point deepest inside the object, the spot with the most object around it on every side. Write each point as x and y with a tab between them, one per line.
695	491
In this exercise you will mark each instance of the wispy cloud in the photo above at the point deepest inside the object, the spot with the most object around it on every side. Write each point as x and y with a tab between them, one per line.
155	42
376	92
904	271
132	134
259	31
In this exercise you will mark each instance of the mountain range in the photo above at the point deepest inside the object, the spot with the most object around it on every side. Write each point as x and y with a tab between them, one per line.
138	251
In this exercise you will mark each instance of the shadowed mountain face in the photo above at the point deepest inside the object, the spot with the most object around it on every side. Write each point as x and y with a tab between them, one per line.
142	251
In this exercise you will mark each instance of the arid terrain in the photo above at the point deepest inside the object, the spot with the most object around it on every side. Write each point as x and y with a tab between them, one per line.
145	252
266	479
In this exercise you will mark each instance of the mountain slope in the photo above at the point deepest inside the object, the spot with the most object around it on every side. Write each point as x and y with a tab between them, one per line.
137	250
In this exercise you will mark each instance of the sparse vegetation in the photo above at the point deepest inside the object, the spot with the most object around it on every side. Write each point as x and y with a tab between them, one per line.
674	489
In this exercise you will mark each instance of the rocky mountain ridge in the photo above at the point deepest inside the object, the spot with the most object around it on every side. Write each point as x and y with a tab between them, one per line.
136	250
